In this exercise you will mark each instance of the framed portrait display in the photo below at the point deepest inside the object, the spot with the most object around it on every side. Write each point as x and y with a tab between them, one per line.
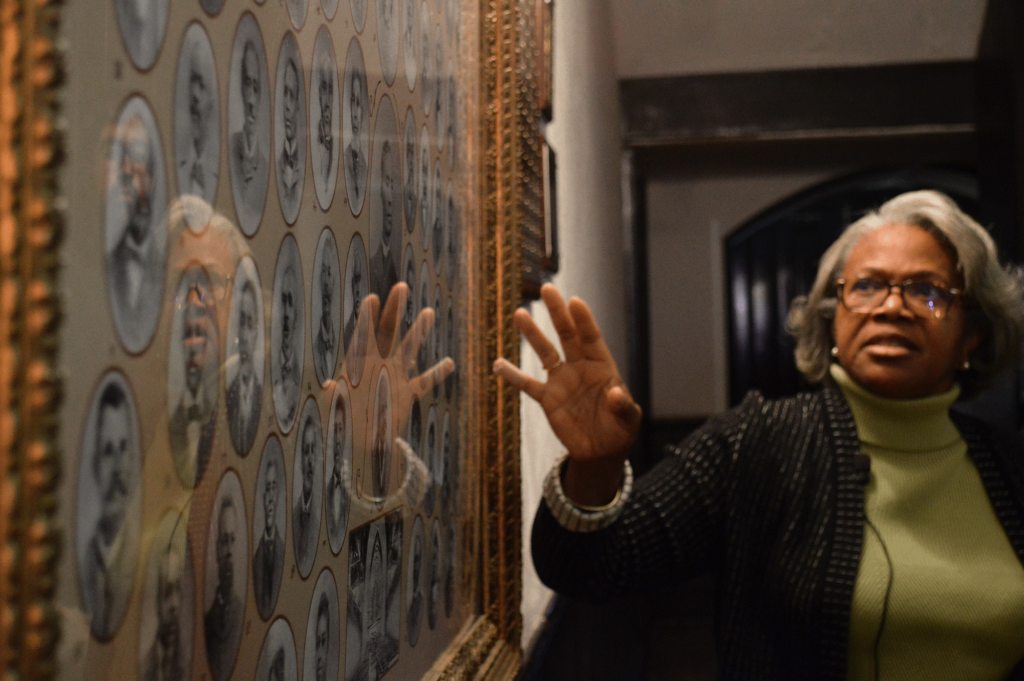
257	258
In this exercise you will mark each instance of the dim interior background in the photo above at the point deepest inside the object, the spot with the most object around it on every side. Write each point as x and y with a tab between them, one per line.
708	151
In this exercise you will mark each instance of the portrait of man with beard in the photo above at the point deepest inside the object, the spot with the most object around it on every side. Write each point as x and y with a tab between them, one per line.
168	657
339	449
324	118
245	390
307	488
136	233
385	261
381	452
356	131
108	524
224	613
326	307
287	334
248	121
290	129
197	128
268	560
194	365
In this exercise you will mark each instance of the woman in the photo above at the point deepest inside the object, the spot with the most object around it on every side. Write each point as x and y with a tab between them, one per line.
859	531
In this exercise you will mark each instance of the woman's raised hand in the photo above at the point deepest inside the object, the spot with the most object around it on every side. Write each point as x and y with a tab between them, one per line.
584	398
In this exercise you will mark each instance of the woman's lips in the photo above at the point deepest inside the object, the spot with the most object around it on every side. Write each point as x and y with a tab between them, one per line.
890	345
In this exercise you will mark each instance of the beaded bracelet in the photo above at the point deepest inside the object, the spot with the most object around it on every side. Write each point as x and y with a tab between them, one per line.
578	518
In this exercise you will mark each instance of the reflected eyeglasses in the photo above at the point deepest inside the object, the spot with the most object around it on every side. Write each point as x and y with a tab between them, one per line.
923	298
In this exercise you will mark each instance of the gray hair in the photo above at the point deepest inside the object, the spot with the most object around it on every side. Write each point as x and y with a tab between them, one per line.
993	296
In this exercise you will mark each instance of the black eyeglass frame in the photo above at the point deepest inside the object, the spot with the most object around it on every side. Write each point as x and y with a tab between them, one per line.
952	292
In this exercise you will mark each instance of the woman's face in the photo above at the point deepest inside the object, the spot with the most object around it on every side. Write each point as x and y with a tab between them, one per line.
889	350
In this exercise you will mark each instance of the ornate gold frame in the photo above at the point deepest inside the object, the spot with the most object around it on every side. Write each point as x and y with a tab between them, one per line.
488	647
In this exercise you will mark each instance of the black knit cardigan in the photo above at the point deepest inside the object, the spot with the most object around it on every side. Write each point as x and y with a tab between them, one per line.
768	498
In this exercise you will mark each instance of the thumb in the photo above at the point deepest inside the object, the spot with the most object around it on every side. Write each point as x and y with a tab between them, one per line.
621	403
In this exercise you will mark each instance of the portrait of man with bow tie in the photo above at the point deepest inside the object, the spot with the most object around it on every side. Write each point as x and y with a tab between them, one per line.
192	377
290	129
136	231
197	128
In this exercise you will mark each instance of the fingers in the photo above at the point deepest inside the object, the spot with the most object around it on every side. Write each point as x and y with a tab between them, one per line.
387	330
435	375
414	338
518	379
625	409
544	348
587	330
564	324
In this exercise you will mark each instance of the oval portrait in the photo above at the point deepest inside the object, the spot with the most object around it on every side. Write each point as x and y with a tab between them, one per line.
359	14
307	487
385	216
287	334
193	373
382	438
290	128
135	225
269	527
226	575
452	250
324	118
357	287
424	353
297	11
415	600
434	576
355	126
109	504
425	190
168	597
431	454
388	32
409	277
245	356
197	127
410	42
330	8
143	25
325	307
426	62
437	218
277	657
410	188
320	659
338	478
249	124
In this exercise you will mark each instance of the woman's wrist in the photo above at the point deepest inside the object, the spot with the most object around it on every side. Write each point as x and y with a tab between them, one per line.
593	483
577	516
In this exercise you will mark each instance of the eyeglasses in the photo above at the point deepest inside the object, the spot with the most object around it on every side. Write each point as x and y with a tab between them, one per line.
923	298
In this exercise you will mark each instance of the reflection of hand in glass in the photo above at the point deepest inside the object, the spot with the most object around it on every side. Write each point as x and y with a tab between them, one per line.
584	398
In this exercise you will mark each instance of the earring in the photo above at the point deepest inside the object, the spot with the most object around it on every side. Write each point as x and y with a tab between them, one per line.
835	351
966	365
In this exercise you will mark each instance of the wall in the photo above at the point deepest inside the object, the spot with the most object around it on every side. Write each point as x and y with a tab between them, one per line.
586	135
675	37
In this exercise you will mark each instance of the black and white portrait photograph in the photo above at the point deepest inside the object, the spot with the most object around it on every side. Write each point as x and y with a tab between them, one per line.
426	62
338	478
431	455
409	277
388	33
226	575
451	236
438	219
424	354
135	223
290	128
371	650
325	307
381	439
277	657
307	487
246	353
393	529
359	14
450	349
269	527
330	8
143	25
414	436
415	599
109	503
440	90
197	127
212	7
249	124
287	334
410	42
425	191
357	287
385	216
323	632
441	470
452	95
436	335
449	569
297	11
410	188
168	597
324	118
434	576
356	125
193	370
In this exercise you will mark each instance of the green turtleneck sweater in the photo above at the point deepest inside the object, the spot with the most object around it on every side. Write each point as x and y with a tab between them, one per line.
956	609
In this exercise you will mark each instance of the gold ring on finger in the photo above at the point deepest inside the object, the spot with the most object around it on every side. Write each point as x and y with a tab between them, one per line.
554	366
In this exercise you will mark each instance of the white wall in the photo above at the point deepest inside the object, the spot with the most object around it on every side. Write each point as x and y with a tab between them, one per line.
677	37
586	135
